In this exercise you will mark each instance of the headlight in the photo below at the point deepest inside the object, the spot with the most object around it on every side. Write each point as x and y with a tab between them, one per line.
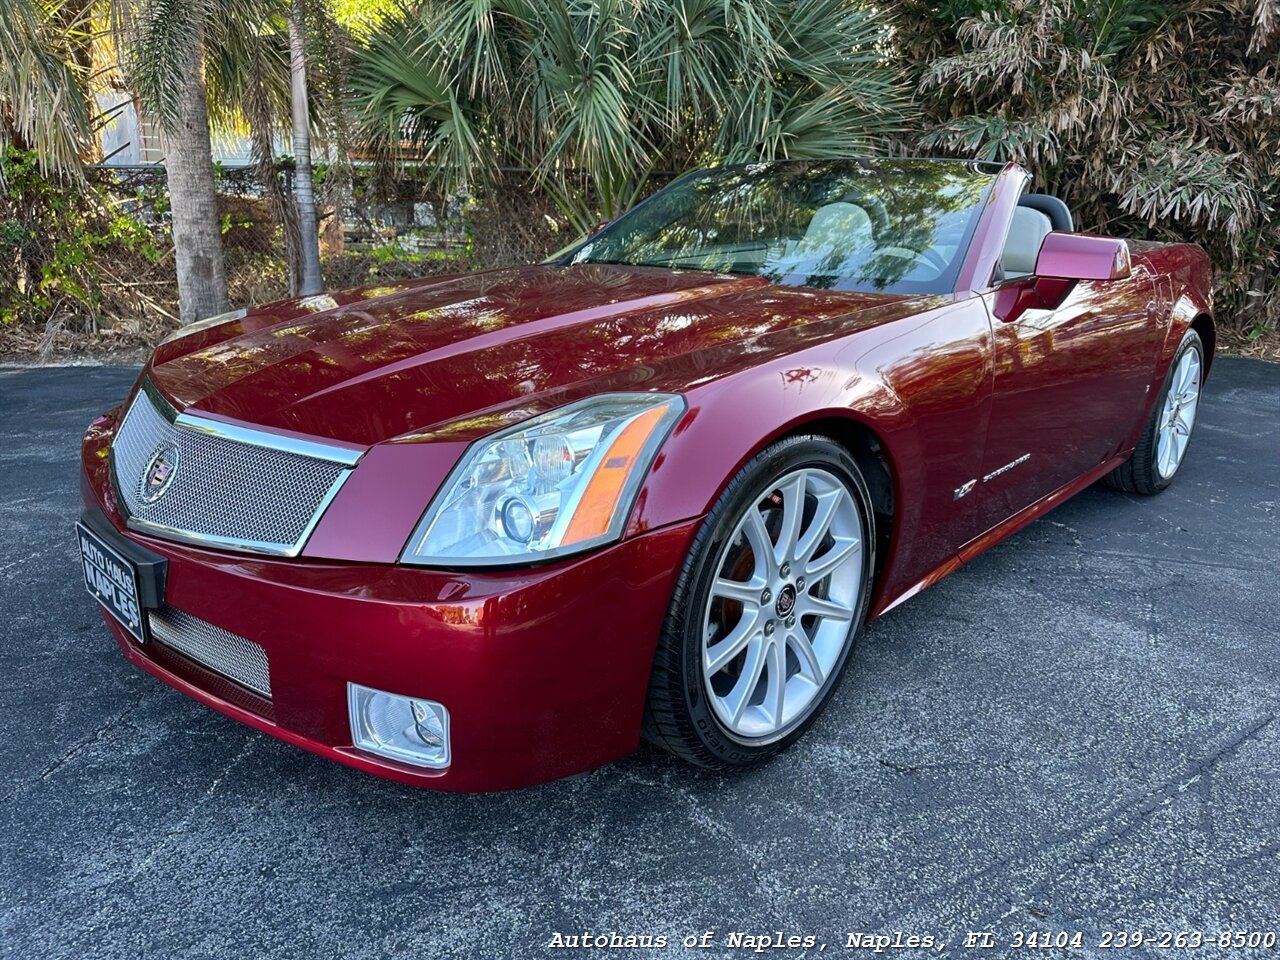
205	324
554	485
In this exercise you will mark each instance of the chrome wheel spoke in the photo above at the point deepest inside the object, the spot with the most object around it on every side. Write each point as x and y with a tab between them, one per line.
1187	417
823	609
757	535
775	695
792	514
1168	464
821	567
1180	441
745	592
827	505
810	667
738	698
1182	377
719	655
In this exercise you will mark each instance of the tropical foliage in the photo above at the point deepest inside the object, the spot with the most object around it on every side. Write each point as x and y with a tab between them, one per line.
60	243
44	60
1157	118
1148	116
597	95
240	64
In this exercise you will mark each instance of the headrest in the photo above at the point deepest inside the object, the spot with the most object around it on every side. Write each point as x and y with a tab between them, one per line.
1022	246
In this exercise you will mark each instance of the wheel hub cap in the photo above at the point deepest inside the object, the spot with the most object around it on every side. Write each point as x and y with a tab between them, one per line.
786	601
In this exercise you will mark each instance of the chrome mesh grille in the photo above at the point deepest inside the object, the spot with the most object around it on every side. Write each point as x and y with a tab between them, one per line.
220	650
222	491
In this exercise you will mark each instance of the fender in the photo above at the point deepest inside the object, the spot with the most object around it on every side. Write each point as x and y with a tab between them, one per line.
920	384
1184	271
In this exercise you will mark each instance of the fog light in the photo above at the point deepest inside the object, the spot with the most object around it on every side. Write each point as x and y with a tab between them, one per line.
400	728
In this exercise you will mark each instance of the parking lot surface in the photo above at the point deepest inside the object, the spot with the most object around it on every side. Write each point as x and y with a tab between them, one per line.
1077	731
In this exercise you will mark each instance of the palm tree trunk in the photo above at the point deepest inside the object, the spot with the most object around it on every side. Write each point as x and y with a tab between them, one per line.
197	237
303	186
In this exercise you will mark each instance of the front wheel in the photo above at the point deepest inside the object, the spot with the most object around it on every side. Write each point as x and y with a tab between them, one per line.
765	609
1163	445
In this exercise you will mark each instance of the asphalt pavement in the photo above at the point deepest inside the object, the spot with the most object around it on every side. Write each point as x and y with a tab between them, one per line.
1076	732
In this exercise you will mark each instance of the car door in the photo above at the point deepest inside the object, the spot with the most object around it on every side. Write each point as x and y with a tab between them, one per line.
1071	380
933	404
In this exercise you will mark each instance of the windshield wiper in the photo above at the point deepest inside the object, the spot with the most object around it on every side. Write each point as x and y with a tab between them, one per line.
609	263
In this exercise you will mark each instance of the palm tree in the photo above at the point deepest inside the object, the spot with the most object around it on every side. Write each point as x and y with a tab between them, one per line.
188	160
310	280
229	64
166	44
43	101
597	95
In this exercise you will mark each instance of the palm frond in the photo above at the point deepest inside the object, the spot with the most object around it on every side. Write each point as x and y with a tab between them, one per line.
407	104
247	73
43	99
1189	184
593	95
165	36
1266	24
1030	141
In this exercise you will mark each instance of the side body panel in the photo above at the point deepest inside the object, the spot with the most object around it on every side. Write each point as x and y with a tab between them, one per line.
1077	367
1071	379
1079	381
921	383
1183	280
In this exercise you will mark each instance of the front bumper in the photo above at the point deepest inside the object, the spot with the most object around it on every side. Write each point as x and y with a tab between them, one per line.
544	671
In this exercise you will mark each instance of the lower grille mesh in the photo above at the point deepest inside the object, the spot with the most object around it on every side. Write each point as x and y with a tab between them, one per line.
220	650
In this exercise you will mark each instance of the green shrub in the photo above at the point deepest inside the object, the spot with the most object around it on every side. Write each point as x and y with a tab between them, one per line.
58	242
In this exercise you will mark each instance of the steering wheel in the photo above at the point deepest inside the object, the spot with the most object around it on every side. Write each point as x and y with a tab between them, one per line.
929	257
934	259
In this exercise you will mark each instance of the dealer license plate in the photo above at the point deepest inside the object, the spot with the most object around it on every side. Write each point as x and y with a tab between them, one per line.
112	580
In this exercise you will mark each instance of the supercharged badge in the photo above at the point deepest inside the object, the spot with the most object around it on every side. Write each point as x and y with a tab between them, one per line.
1006	468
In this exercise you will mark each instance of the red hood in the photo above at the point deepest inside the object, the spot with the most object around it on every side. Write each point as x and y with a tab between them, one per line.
383	362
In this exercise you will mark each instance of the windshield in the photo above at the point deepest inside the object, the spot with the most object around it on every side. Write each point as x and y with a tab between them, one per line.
892	226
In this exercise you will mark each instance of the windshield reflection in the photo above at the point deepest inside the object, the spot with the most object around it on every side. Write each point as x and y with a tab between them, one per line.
883	226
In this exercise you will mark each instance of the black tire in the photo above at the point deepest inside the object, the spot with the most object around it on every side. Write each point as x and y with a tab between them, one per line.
1140	474
678	715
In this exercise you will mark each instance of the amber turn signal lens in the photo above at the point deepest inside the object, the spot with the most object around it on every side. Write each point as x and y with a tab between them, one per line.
600	499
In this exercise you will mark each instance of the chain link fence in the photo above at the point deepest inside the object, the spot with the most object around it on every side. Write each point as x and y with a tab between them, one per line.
370	229
120	285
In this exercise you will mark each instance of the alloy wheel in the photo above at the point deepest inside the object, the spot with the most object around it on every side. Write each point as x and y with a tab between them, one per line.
1178	414
782	604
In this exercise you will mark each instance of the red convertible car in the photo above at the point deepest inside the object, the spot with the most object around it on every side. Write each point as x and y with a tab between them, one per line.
481	531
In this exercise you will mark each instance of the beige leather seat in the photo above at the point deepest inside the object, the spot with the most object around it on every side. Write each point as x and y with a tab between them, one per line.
836	231
1022	245
836	226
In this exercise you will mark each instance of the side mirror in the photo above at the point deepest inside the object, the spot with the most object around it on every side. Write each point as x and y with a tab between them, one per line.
1077	256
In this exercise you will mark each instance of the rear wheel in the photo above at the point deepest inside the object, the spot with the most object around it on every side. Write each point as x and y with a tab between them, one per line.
1163	445
765	609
